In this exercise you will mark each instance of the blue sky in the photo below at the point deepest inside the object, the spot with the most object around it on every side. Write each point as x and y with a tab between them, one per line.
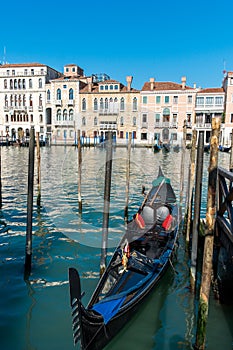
164	40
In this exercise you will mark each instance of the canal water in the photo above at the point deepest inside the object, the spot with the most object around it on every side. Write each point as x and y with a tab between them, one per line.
35	315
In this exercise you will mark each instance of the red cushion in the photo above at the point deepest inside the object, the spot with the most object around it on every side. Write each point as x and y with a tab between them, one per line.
167	222
139	220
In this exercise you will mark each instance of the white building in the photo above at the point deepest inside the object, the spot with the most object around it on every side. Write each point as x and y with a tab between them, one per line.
23	99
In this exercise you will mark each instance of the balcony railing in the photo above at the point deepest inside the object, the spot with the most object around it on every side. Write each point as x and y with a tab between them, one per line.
166	125
58	102
108	126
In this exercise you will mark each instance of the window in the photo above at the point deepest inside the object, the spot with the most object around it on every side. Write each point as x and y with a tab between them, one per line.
219	100
209	101
175	99
135	104
111	87
58	94
174	118
25	71
30	83
95	104
122	104
143	136
32	71
41	118
174	136
166	99
64	86
7	72
106	87
106	103
71	114
11	84
48	95
144	100
24	100
67	69
144	118
71	94
115	87
24	84
101	87
13	72
84	105
95	121
190	98
40	100
42	71
134	121
83	121
101	104
6	101
30	101
6	119
5	84
65	115
40	83
15	84
157	118
231	117
200	101
122	121
59	115
158	99
73	69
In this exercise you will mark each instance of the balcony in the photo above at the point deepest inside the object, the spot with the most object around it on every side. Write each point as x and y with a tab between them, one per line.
40	108
71	103
144	125
58	102
30	109
106	126
170	125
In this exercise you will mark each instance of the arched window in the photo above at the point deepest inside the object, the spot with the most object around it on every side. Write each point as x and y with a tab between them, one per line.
24	100
30	83
65	115
48	95
6	101
106	103
6	118
24	84
122	105
11	101
30	101
19	100
95	104
84	105
40	83
15	84
58	115
58	94
134	121
5	83
15	100
83	121
71	94
41	118
31	118
19	84
101	104
135	104
40	100
122	121
71	114
11	84
95	121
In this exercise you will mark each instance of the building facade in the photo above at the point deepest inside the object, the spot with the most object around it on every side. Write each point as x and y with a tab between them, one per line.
22	98
58	104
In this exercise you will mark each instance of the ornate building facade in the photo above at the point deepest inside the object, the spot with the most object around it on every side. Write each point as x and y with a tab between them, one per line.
58	104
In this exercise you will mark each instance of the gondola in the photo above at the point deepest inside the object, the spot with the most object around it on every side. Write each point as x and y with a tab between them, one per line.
135	269
224	148
156	148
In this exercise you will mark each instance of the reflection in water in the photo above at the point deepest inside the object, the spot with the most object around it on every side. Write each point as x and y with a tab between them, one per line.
37	315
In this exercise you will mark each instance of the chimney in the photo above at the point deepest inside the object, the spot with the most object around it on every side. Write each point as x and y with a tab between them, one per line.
152	83
89	82
129	80
194	85
183	81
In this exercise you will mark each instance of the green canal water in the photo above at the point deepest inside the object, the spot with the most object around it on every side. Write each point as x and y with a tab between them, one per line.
35	315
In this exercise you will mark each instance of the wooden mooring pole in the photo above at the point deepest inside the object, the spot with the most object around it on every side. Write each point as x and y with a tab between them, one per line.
231	155
191	185
79	172
28	255
197	209
182	165
107	192
209	238
38	169
127	179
